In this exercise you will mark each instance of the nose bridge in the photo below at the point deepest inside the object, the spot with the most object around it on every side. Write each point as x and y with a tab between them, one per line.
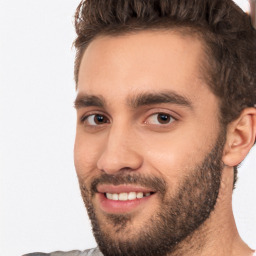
118	136
120	150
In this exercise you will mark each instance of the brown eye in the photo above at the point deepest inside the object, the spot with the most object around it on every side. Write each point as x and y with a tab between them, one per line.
163	118
160	118
96	119
99	119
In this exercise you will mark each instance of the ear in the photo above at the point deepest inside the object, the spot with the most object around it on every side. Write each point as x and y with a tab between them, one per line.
241	135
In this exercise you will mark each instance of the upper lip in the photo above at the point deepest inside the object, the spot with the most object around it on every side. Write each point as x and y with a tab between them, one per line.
107	188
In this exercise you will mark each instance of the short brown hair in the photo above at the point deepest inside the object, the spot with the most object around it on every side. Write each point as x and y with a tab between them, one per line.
225	30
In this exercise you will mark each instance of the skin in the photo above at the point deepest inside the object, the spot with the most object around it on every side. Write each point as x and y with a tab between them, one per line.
120	68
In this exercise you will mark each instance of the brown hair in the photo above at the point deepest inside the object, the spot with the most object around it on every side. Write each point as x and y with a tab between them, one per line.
225	30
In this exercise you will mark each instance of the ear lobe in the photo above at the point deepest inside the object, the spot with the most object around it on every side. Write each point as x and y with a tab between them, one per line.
241	135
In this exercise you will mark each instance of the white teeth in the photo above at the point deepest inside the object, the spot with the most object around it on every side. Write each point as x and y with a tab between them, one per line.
123	196
127	196
115	197
132	196
109	196
140	195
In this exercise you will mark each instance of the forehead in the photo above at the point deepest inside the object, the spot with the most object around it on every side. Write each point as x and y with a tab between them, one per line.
145	61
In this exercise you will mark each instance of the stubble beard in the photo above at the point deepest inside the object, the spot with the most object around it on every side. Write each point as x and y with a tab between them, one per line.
177	218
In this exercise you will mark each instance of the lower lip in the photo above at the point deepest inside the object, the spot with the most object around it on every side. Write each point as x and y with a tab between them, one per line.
118	206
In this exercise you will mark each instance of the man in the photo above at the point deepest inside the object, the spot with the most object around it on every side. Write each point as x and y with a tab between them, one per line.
166	94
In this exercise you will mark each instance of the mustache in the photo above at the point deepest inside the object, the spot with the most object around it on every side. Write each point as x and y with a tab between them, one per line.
155	183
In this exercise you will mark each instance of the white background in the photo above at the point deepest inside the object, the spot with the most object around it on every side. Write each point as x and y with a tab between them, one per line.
40	204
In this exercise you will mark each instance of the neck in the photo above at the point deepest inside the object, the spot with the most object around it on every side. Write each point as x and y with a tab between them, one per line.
218	235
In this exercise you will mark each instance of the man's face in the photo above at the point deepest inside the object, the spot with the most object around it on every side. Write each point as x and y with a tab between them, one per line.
148	145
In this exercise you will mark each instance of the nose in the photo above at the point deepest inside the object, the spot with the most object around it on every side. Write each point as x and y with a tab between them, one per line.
121	152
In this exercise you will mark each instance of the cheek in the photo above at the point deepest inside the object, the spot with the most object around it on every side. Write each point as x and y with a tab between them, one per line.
86	154
173	156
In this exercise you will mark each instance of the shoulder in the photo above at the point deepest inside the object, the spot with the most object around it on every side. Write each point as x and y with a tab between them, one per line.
89	252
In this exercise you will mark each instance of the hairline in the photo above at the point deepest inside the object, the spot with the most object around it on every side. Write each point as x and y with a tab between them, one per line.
184	30
181	30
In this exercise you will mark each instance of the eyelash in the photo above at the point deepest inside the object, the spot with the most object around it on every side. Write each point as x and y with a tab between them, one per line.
163	115
86	117
170	118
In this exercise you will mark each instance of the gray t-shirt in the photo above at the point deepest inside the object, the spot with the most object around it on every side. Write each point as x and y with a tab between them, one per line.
89	252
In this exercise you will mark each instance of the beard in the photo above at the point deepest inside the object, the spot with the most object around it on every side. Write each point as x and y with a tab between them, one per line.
177	218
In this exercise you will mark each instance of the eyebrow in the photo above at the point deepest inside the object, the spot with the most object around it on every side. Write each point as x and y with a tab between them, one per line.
84	100
142	99
145	99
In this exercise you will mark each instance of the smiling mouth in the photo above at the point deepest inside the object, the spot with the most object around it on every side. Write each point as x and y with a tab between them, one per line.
123	199
127	196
